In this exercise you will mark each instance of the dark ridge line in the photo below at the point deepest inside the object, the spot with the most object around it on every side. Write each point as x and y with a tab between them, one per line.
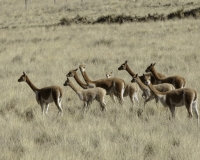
120	19
109	19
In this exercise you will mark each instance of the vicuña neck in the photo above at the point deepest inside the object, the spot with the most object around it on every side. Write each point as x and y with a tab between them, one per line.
141	84
155	91
33	87
130	71
74	88
86	77
155	74
83	85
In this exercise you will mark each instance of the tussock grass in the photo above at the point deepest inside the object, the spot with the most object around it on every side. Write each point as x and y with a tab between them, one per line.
47	54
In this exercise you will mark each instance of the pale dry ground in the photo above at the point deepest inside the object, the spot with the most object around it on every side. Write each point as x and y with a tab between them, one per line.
123	132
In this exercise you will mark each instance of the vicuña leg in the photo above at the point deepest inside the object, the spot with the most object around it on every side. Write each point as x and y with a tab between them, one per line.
195	108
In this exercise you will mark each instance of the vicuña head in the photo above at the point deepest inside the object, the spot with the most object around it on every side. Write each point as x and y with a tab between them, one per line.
82	68
147	78
123	66
66	82
149	68
134	78
22	78
109	75
72	73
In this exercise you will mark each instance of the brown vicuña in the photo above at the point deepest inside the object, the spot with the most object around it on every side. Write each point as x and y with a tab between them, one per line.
131	90
147	94
177	81
88	95
176	98
45	95
106	83
125	66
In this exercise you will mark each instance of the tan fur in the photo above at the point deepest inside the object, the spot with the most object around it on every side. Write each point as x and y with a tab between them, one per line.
107	84
88	95
45	95
177	81
131	90
147	94
176	98
125	66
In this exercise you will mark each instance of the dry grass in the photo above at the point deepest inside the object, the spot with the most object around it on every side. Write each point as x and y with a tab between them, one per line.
47	54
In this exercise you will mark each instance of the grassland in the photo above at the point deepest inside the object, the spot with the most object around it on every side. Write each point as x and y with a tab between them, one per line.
46	53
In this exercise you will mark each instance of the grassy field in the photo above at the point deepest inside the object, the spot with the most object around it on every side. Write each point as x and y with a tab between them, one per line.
48	53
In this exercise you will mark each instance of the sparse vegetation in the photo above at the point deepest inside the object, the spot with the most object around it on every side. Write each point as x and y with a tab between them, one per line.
33	42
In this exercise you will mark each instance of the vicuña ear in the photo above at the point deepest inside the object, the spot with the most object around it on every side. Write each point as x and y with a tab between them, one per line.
154	64
76	69
126	61
24	73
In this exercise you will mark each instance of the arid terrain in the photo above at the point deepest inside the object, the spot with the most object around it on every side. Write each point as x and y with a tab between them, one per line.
47	40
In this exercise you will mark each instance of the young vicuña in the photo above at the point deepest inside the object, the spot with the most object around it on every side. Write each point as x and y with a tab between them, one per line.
88	95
